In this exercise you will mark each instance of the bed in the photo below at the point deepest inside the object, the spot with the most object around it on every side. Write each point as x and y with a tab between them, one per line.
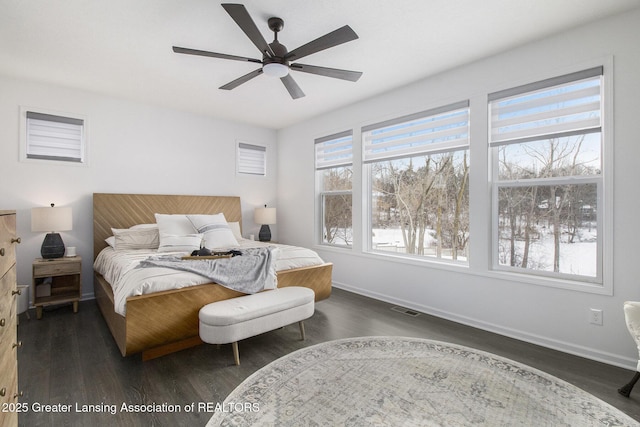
167	321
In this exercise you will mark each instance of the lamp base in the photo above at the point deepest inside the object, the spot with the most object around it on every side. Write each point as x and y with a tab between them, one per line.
52	246
265	233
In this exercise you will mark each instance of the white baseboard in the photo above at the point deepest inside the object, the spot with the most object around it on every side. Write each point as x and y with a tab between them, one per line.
576	350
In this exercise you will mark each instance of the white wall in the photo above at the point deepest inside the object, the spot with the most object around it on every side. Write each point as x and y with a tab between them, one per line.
552	317
133	148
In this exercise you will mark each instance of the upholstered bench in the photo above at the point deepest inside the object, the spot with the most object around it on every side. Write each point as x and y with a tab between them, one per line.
235	319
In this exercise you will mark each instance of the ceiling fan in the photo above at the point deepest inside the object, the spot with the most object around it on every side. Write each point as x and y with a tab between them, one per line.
276	60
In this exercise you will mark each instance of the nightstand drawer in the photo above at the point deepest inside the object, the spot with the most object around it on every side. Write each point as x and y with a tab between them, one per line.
55	268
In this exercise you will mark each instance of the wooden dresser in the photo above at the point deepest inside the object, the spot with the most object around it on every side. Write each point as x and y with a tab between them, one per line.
8	326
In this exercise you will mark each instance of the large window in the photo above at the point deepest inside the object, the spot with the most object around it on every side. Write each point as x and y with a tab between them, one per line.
418	169
334	172
546	144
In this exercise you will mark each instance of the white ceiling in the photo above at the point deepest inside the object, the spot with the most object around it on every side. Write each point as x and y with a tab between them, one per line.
122	48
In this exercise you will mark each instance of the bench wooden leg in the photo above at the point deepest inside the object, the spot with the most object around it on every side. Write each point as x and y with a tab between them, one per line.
626	389
236	353
301	323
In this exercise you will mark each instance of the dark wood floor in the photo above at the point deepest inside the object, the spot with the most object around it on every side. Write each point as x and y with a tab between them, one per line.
71	359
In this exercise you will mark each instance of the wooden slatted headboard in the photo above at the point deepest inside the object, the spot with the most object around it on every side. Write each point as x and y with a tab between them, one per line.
124	210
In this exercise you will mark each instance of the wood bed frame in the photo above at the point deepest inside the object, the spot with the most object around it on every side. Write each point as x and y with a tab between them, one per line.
164	322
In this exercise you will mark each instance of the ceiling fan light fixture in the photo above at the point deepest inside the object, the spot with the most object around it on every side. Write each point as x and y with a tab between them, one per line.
274	69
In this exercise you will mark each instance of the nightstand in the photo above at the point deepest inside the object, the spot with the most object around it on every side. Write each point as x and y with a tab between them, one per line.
56	281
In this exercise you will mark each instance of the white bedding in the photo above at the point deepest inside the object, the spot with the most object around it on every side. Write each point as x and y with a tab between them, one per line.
119	269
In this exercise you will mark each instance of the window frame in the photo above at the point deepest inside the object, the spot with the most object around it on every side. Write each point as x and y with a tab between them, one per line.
323	162
561	181
427	149
56	117
242	148
602	283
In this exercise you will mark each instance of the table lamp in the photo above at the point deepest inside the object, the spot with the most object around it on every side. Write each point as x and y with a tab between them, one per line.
265	216
52	220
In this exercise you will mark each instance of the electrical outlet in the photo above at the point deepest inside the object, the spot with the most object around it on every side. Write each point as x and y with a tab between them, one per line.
595	316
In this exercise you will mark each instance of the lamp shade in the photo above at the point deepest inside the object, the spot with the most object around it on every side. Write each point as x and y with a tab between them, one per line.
265	215
51	219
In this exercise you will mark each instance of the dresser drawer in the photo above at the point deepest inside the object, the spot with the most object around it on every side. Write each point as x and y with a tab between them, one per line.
55	268
8	330
7	312
9	387
7	248
8	351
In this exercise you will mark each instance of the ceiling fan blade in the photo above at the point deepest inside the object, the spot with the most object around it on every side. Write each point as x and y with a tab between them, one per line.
292	87
334	38
239	14
188	51
237	82
352	76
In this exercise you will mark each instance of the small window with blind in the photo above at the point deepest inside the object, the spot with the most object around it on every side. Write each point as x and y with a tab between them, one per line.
334	174
251	159
418	167
546	142
53	137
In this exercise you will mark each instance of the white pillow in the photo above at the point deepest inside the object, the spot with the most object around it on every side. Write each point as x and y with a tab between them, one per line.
178	225
139	238
133	227
235	229
216	231
174	225
184	243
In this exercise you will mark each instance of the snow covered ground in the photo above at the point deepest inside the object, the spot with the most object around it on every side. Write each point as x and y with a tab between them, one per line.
578	258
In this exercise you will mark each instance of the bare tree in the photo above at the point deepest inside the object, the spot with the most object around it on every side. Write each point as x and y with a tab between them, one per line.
555	204
337	205
457	232
433	195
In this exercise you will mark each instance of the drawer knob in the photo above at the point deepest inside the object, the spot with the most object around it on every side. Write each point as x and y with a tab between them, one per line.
1	251
18	344
2	322
18	394
16	292
3	391
17	240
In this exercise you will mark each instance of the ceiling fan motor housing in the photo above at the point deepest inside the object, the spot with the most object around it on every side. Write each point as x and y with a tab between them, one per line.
279	52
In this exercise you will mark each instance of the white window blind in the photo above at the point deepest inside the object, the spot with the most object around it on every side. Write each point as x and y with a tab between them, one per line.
252	159
440	129
53	137
561	106
334	150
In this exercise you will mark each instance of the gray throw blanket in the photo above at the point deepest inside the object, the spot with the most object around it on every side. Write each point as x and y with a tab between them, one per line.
249	273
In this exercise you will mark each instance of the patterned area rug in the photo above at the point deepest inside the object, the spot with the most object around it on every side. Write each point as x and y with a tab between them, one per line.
395	381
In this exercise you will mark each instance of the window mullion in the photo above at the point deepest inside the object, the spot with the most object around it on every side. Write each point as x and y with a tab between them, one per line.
560	180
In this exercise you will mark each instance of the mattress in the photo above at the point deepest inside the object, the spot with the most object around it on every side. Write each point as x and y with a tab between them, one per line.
119	268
